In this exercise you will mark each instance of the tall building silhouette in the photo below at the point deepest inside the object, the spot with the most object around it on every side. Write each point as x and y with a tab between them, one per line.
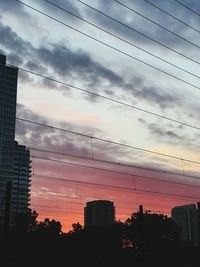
187	218
21	181
99	213
8	156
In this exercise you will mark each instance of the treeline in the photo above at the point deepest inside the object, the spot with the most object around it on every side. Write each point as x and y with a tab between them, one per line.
148	240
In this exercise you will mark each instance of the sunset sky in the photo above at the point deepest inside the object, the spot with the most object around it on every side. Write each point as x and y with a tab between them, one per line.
37	43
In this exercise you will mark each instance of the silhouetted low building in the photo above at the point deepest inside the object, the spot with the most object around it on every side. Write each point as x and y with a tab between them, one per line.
187	218
99	213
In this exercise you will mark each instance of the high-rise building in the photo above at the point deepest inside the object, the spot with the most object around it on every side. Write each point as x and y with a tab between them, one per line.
187	218
99	213
8	98
8	94
21	181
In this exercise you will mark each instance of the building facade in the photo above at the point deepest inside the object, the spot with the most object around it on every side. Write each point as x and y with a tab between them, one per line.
9	150
99	213
8	95
21	181
187	218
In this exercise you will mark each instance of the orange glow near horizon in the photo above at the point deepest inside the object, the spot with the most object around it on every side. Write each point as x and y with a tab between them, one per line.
65	201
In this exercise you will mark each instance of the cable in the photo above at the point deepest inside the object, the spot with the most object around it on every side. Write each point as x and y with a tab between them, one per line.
138	32
187	7
170	15
118	172
131	203
113	163
63	211
91	198
123	208
128	203
112	47
157	24
121	39
110	99
108	141
118	188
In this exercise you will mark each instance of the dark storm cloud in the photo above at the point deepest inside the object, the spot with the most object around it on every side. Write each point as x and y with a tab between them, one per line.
15	59
65	62
159	130
156	129
59	59
141	89
155	95
67	4
172	134
13	42
12	7
2	52
24	77
139	23
80	65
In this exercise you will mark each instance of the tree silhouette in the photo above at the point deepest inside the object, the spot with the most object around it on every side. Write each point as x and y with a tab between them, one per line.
148	240
154	236
26	222
76	227
49	227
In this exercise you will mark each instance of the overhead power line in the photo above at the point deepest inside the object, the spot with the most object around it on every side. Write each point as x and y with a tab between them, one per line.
122	39
108	141
80	208
138	32
112	47
120	188
187	7
172	16
84	199
43	211
117	172
80	198
157	24
110	99
121	212
113	163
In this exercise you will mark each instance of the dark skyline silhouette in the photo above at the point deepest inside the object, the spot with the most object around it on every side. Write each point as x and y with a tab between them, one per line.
144	239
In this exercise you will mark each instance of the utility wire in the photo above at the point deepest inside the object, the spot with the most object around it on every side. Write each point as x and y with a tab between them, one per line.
123	209
122	39
112	47
172	16
113	163
116	200
118	172
138	32
44	212
157	24
108	141
129	204
118	188
80	198
110	99
187	7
